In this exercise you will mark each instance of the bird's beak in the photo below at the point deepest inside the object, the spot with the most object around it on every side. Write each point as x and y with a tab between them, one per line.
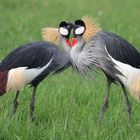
71	42
74	40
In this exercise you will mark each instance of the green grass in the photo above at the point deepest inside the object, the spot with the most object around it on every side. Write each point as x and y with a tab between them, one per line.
67	106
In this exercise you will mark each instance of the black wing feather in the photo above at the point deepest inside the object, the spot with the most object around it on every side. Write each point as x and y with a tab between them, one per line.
120	49
31	55
36	55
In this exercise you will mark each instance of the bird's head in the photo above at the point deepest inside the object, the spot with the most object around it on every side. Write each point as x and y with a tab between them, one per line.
59	35
64	31
84	30
79	29
54	35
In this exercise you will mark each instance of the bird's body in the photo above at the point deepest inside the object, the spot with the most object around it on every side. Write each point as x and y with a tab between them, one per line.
113	55
30	64
117	58
91	48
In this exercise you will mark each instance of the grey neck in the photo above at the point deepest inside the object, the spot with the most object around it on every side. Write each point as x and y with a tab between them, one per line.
77	48
65	45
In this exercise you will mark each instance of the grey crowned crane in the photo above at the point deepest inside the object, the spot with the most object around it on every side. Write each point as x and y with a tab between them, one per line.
30	64
93	48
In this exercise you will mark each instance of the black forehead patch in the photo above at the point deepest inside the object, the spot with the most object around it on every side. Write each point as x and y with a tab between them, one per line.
80	22
63	24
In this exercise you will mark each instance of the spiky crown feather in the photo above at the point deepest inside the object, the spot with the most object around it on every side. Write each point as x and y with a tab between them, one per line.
52	34
91	27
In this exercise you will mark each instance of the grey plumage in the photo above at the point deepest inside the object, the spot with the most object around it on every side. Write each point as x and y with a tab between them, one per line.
60	62
92	49
30	64
94	56
107	52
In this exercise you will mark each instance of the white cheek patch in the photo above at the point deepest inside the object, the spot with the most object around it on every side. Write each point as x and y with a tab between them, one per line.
79	30
63	31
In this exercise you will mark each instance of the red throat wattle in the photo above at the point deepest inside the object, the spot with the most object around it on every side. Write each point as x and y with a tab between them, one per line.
72	43
68	42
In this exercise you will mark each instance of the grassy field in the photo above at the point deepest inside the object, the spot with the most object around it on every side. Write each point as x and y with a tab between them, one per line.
67	106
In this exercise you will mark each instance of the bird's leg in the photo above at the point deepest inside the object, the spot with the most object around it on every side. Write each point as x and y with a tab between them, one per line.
105	102
127	102
32	106
15	103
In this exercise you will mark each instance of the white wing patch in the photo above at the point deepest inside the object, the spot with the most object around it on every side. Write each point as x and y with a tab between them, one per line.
130	73
19	77
131	77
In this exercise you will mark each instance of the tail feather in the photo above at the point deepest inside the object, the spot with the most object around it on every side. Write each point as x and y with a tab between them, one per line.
130	77
134	88
3	82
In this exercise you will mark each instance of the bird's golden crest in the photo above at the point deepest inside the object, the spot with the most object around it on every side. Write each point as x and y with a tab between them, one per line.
91	27
51	35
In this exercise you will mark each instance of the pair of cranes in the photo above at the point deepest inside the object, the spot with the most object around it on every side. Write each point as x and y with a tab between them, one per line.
90	48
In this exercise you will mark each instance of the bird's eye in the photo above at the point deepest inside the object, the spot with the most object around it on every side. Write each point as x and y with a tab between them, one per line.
79	30
63	31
